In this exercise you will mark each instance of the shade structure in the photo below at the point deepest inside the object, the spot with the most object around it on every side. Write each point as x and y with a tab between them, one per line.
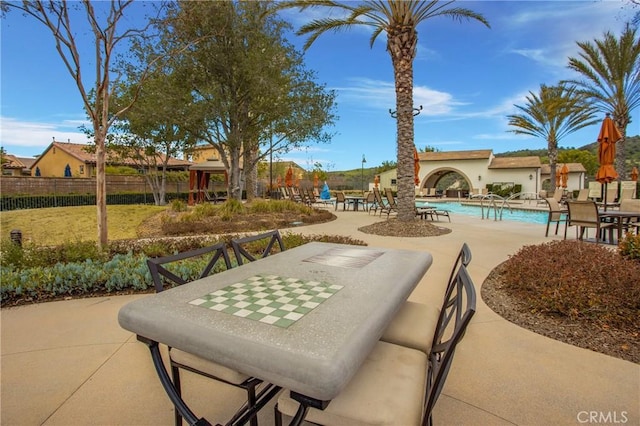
609	135
376	181
634	174
288	178
416	166
564	175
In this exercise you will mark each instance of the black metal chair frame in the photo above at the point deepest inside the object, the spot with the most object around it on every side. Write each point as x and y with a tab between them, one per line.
391	202
563	216
457	311
242	253
158	271
458	308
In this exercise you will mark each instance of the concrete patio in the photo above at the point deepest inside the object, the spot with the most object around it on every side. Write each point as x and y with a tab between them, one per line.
70	363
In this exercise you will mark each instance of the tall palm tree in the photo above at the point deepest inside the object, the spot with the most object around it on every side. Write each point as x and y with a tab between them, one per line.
552	114
610	78
399	19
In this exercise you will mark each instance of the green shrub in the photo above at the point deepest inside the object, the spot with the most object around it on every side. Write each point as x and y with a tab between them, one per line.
178	205
630	246
231	208
577	280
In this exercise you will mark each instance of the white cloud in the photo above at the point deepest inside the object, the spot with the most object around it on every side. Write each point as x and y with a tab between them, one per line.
381	94
26	134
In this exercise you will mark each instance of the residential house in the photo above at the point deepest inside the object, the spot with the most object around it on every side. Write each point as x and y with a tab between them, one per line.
65	159
16	166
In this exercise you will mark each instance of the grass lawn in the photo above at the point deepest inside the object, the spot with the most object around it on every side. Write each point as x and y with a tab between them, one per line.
58	225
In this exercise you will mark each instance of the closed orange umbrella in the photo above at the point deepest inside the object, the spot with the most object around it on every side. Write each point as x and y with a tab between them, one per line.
278	181
557	179
315	180
634	174
288	178
609	135
564	175
416	166
376	181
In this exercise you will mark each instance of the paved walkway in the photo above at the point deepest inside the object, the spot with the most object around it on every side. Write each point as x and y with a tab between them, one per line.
69	363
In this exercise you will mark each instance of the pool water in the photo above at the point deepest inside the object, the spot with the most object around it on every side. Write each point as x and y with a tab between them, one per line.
513	214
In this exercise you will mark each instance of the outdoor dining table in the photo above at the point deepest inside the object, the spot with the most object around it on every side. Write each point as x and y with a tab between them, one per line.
619	217
304	319
356	200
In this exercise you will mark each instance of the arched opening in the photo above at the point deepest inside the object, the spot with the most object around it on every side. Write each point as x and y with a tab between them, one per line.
447	181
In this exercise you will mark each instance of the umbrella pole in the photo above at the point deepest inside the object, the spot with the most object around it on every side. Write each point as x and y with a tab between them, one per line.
605	196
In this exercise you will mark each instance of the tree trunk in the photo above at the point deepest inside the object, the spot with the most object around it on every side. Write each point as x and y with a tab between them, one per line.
101	190
401	45
621	148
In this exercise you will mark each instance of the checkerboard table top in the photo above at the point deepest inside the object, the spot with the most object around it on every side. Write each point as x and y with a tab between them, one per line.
269	299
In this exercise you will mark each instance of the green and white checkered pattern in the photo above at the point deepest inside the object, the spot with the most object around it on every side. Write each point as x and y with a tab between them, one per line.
269	299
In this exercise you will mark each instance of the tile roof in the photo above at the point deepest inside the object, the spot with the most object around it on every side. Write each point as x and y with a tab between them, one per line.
573	168
13	162
514	162
455	155
83	153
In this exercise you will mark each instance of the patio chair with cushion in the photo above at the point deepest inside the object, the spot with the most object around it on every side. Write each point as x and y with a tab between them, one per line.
379	204
341	198
416	322
391	202
264	244
583	195
177	269
630	205
397	385
557	214
584	215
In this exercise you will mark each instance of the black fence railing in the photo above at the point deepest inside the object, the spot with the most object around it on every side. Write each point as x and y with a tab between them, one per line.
18	202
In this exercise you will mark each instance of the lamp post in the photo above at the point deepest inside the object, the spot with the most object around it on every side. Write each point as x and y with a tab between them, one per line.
364	160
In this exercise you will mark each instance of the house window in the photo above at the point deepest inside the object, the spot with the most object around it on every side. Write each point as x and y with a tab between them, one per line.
394	182
81	169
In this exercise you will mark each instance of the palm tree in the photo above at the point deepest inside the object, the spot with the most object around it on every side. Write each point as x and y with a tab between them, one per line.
610	71
399	19
552	114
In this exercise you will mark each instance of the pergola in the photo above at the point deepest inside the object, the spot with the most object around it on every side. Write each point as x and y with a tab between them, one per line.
199	175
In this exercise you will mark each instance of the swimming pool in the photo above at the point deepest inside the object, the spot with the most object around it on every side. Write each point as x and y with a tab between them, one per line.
513	214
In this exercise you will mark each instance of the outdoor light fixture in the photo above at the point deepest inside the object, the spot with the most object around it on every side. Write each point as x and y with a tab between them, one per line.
364	160
479	177
530	177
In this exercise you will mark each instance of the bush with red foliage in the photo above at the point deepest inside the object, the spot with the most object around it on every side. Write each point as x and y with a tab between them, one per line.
576	279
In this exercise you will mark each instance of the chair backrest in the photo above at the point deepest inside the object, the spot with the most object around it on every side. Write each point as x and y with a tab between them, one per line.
182	268
377	196
630	205
554	206
340	197
463	259
264	244
582	213
371	198
612	194
390	199
558	194
311	196
626	193
583	195
457	311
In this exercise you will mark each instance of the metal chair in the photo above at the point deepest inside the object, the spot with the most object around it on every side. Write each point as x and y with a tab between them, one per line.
583	215
264	244
391	202
398	385
415	321
180	269
341	198
556	214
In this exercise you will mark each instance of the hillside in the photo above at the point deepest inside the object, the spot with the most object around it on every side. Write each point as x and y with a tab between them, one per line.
632	144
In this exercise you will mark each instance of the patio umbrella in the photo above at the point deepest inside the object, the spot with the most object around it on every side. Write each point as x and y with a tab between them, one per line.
288	178
278	181
609	135
557	179
376	181
416	166
325	194
564	175
315	180
634	174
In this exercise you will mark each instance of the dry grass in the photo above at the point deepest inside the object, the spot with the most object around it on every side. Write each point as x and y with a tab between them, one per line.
54	226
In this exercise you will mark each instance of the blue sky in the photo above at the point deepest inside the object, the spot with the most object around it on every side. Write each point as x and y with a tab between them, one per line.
466	77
